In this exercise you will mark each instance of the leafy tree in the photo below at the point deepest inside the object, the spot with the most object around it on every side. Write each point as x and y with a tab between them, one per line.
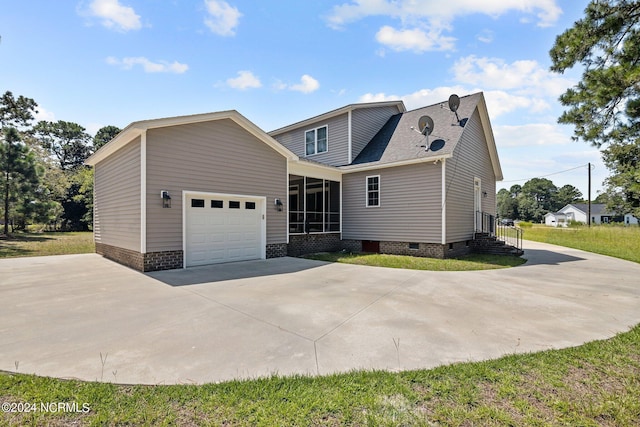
67	142
16	112
19	173
567	194
104	135
604	106
507	204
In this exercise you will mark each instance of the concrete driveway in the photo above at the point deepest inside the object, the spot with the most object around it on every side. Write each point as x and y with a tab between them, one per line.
82	316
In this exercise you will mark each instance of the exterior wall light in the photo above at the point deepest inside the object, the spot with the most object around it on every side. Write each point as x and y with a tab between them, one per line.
166	198
279	205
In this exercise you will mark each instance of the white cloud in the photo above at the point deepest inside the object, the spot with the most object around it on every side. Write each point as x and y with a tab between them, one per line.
307	85
148	66
425	21
485	36
415	39
498	102
43	114
245	80
525	76
114	15
530	135
223	18
547	11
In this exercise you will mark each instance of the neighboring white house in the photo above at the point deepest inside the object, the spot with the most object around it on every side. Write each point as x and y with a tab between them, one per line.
579	212
556	219
630	220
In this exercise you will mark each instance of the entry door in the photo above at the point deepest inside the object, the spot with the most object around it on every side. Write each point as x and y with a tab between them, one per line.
222	229
477	202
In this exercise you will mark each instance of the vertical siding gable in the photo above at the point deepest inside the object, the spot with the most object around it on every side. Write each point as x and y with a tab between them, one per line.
470	159
217	157
117	198
365	124
410	205
337	129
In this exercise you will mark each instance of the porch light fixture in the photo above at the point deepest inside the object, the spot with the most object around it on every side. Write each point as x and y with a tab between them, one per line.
484	194
166	198
279	205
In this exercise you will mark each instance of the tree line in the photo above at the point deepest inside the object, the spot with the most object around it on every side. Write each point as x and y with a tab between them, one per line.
44	179
531	201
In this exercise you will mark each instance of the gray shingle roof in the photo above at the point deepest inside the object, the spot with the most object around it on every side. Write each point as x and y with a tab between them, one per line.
397	141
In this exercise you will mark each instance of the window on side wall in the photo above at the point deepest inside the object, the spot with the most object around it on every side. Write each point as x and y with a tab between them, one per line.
316	141
373	191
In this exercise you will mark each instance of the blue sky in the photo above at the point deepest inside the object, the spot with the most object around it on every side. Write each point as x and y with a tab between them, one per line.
112	62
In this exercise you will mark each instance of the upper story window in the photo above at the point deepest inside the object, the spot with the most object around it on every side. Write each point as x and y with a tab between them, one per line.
316	141
373	191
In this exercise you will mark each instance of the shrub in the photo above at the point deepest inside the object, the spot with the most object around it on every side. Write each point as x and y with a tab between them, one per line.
525	224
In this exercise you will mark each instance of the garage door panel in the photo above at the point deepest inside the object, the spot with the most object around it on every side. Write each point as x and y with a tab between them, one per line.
216	235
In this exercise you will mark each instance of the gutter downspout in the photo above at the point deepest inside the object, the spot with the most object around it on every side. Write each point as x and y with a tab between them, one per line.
444	202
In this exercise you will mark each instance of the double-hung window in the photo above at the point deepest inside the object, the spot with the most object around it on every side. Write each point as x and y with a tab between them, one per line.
373	191
316	141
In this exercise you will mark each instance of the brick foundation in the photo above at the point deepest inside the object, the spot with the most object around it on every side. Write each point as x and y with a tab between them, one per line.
276	250
352	245
309	243
123	256
429	250
151	261
166	260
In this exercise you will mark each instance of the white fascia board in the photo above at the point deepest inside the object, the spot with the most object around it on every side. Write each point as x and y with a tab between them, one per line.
396	164
491	142
314	170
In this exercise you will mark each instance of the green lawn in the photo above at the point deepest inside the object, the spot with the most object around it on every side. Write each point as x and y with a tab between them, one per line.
470	262
40	244
594	384
616	241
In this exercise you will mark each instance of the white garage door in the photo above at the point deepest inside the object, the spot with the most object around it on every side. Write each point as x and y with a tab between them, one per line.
222	229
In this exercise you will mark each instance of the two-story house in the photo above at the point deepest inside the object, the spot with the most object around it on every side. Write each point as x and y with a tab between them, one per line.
211	188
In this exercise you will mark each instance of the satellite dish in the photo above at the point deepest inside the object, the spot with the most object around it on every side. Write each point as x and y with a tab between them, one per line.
454	102
425	125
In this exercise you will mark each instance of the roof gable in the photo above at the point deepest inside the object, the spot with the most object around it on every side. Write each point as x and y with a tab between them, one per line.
596	208
333	113
399	142
136	129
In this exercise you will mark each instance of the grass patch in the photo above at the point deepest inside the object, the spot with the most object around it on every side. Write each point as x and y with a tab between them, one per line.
41	244
466	263
594	384
617	241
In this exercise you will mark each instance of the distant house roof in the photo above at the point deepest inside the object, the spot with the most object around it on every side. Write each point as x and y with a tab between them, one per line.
399	142
596	208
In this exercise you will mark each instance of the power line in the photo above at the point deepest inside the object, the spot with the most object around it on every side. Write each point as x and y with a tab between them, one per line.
544	176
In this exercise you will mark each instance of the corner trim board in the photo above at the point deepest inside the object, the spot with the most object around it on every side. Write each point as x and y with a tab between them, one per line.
143	192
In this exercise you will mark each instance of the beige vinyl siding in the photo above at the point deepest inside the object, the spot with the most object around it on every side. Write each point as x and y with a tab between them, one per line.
410	205
365	123
470	160
338	133
217	157
116	215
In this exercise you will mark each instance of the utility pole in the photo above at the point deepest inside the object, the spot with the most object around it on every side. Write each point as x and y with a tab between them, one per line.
589	197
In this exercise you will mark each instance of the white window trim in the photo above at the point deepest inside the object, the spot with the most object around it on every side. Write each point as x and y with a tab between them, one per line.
366	192
315	142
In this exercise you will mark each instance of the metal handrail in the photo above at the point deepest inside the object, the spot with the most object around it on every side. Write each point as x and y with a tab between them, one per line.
509	234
